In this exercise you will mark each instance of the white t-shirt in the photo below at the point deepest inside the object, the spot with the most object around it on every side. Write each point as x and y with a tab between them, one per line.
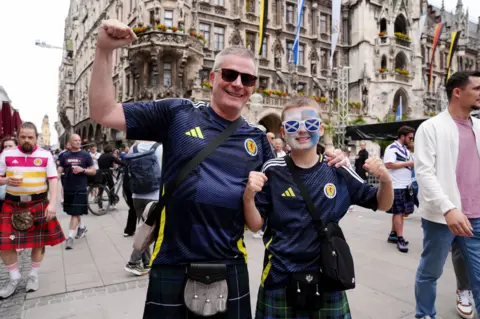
401	177
95	159
280	154
145	147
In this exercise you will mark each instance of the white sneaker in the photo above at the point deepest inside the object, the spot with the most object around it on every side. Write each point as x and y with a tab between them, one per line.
464	305
10	288
32	283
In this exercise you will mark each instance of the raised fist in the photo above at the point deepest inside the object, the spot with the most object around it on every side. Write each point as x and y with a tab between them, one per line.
255	183
375	167
113	35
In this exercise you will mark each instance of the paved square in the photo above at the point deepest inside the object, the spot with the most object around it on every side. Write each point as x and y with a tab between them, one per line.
90	282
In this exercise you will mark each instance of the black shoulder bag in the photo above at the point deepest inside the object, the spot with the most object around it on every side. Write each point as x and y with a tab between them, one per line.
336	271
147	232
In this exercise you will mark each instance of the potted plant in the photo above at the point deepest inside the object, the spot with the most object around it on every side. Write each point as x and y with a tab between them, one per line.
402	36
383	70
206	85
382	34
174	29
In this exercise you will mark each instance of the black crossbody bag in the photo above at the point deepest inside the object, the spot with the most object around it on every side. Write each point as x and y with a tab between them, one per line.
336	271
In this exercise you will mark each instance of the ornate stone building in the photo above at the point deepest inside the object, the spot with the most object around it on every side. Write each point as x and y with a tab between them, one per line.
380	41
45	132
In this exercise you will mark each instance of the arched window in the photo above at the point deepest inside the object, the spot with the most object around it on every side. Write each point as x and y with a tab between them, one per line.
384	62
401	24
383	25
401	61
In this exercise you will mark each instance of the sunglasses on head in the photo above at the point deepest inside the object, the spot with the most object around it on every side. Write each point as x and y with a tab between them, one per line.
229	75
311	125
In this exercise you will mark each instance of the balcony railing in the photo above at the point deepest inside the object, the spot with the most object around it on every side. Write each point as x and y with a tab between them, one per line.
402	77
169	38
402	43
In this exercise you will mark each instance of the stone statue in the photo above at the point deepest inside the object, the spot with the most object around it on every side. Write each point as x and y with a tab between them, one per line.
365	100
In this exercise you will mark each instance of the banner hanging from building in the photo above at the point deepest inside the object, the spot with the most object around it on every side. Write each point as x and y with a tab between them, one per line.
296	43
451	53
336	11
436	37
263	24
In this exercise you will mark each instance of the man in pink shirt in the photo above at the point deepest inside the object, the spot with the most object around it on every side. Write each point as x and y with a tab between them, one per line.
447	167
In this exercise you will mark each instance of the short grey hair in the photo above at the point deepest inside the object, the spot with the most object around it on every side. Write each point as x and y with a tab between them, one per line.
235	50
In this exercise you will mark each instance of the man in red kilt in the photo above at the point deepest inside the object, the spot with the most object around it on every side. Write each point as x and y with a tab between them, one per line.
27	219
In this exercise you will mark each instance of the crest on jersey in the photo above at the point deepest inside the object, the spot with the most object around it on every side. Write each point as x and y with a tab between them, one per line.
251	147
330	190
37	162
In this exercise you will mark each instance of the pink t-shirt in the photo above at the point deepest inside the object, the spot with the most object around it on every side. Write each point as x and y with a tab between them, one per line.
468	169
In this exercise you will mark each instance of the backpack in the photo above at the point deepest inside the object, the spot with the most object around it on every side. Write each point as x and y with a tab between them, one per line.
143	170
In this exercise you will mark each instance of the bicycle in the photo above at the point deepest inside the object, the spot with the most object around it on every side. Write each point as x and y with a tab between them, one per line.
101	197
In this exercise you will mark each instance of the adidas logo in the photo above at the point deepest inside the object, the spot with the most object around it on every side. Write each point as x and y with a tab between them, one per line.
195	132
14	162
289	193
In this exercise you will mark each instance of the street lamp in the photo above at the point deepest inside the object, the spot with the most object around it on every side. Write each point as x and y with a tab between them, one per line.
43	44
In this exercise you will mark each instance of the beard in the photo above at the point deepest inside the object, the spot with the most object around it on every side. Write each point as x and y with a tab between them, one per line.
475	107
27	147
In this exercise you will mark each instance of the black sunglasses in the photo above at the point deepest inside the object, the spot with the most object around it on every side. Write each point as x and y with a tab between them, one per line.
229	75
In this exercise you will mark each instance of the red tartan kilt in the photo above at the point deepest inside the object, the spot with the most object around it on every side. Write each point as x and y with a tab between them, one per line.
41	234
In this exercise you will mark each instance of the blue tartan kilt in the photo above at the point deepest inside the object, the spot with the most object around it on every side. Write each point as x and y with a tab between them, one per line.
272	304
402	204
75	203
165	294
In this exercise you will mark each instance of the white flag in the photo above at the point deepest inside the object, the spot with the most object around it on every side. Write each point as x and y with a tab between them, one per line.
421	25
336	11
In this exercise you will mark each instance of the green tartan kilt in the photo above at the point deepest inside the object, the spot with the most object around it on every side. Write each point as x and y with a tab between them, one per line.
272	304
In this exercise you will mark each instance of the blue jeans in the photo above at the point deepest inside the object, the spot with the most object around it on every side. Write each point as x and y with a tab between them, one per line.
437	240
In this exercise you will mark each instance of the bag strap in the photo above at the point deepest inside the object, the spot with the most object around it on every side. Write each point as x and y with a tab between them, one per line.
155	146
306	195
200	157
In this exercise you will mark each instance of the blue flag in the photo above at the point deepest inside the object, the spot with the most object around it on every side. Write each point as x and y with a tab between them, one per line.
399	111
296	43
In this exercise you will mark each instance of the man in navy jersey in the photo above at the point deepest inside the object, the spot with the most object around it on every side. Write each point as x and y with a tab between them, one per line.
204	221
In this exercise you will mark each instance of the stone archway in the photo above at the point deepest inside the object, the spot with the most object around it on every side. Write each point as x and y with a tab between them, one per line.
90	133
401	24
272	123
84	135
401	96
98	133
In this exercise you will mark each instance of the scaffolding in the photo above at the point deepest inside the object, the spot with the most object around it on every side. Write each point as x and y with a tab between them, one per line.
342	103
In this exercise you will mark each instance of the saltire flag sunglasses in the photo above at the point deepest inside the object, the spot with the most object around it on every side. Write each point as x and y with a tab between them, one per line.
229	75
311	125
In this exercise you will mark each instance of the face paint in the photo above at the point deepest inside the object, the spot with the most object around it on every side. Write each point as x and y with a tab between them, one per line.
302	139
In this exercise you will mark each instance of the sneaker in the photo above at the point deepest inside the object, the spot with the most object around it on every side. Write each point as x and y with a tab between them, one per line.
81	232
9	289
135	269
128	234
402	245
69	243
464	305
392	238
32	283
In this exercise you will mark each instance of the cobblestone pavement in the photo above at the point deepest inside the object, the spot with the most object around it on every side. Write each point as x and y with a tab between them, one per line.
90	282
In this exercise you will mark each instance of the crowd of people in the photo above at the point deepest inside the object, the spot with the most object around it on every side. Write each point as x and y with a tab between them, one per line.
199	174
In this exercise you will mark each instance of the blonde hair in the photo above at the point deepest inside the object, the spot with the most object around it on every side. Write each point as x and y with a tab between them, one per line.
299	101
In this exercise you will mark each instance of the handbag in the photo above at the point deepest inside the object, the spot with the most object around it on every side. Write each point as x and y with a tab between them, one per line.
336	272
206	289
146	233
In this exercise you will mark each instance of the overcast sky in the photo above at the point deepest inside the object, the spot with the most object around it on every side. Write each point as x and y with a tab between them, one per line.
450	5
30	73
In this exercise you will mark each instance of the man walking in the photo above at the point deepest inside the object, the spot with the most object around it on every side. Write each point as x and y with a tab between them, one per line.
397	160
76	165
447	167
203	223
27	218
145	167
360	161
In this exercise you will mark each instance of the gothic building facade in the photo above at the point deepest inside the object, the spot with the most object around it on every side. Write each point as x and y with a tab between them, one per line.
380	42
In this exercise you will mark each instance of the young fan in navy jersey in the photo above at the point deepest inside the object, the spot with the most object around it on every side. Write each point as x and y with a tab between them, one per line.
291	241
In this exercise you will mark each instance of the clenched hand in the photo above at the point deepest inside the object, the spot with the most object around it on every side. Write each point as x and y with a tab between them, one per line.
255	183
113	35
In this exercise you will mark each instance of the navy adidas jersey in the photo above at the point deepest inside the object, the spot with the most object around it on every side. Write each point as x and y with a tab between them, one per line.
204	221
291	241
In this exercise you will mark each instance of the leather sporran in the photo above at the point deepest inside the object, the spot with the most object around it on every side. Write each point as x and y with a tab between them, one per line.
22	219
146	234
206	290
